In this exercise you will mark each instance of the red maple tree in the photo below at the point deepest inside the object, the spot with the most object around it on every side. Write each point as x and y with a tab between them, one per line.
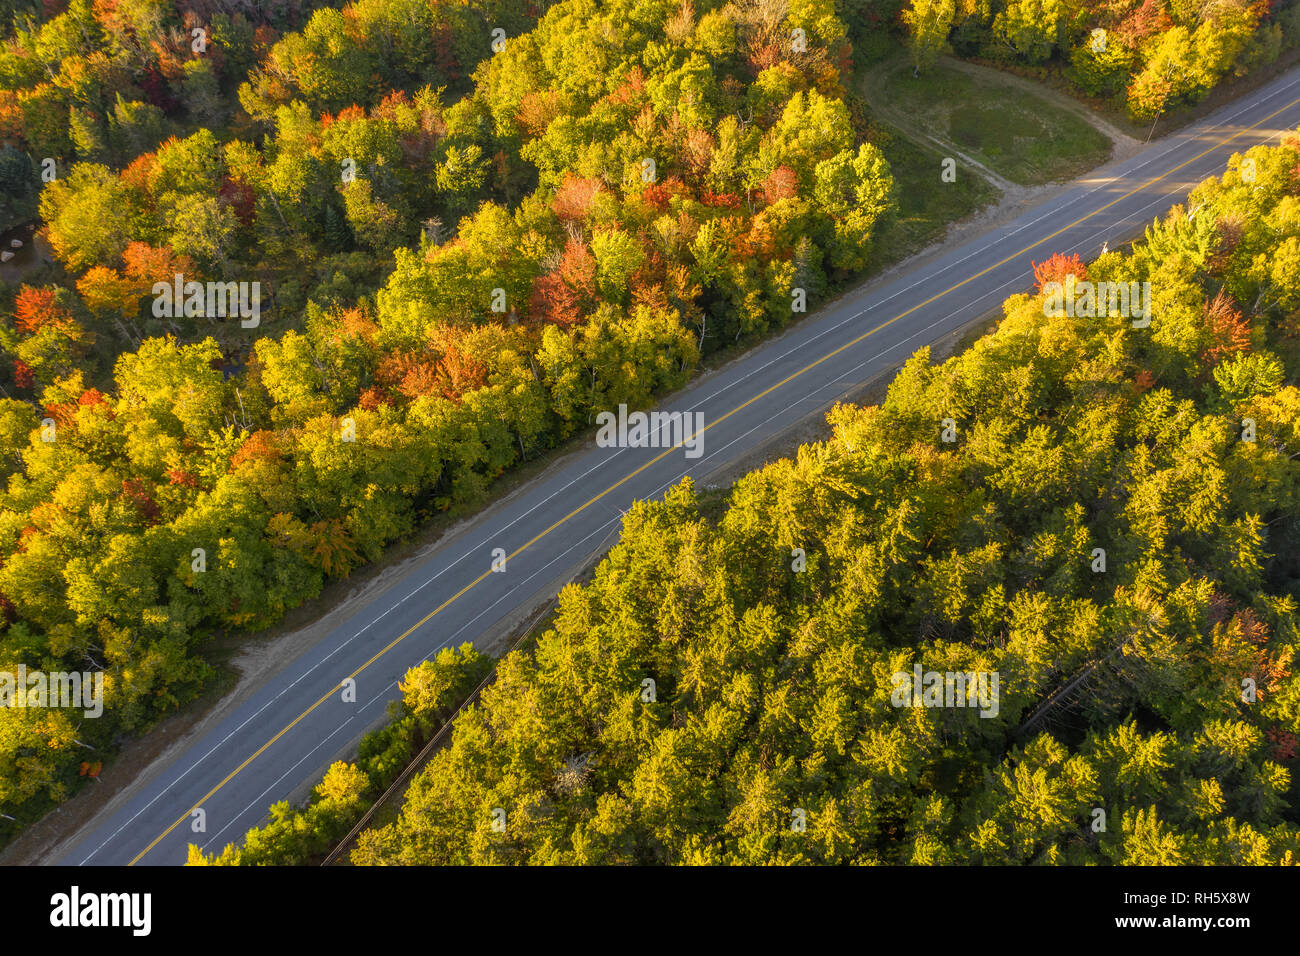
1057	267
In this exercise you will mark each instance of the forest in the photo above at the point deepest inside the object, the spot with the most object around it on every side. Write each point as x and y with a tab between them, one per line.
476	224
470	245
1114	531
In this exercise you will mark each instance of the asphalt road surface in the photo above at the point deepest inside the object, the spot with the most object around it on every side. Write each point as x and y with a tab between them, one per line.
289	730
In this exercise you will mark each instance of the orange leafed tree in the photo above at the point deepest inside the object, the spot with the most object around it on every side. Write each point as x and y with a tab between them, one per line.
537	110
149	264
697	151
553	301
575	198
374	396
106	290
23	377
139	173
562	296
1228	330
1056	268
34	309
333	551
459	373
409	373
183	478
781	183
357	324
92	396
261	445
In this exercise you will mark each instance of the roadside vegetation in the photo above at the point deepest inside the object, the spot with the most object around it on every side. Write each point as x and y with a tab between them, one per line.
926	205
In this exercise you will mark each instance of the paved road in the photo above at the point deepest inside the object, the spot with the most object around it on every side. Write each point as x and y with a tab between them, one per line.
290	729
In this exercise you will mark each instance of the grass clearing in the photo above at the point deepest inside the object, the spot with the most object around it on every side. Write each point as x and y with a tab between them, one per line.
1021	137
926	205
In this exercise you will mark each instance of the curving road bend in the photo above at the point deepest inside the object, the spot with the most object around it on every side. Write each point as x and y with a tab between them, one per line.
290	729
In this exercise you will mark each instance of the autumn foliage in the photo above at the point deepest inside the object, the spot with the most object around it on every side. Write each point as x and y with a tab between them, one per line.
1057	267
